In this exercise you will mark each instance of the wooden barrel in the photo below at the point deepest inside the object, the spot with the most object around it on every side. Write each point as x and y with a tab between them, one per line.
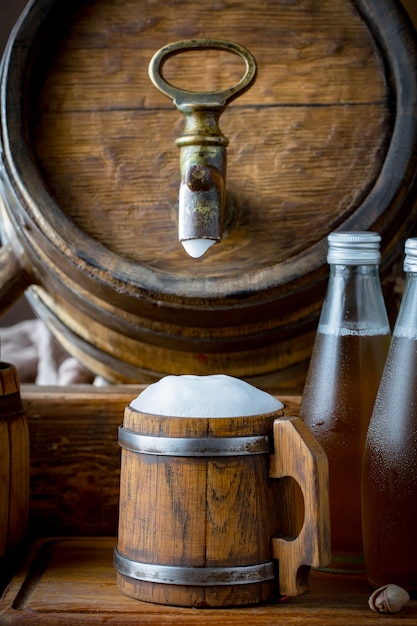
325	139
14	463
199	513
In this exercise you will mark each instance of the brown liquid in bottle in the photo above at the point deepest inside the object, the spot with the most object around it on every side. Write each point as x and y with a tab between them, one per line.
390	473
337	404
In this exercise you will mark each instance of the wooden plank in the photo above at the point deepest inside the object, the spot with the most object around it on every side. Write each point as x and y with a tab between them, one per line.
70	581
73	438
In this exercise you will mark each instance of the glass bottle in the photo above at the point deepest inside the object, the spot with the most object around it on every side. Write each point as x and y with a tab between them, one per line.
389	495
345	369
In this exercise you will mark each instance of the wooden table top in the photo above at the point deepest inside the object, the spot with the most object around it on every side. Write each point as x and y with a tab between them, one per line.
70	581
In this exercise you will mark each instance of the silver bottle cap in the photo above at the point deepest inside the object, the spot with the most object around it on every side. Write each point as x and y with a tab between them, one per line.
410	261
354	248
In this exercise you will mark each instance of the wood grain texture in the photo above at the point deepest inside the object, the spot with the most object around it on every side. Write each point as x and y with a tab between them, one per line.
298	456
14	463
325	139
308	139
219	511
72	581
5	483
73	435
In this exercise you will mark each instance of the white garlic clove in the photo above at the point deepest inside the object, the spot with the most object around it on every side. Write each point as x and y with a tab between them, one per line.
388	599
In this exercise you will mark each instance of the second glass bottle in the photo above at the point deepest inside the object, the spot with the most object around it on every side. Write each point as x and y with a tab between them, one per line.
389	496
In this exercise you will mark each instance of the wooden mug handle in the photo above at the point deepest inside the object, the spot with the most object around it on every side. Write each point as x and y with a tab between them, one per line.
299	456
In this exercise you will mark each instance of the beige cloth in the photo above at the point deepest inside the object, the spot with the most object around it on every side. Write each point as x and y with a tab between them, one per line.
38	358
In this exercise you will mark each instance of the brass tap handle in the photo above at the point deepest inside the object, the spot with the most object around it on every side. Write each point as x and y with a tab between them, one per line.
202	197
214	99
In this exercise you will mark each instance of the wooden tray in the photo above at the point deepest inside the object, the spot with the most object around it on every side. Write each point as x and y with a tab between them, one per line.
72	581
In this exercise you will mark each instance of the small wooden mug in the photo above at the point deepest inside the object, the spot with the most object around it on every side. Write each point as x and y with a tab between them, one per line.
202	520
14	462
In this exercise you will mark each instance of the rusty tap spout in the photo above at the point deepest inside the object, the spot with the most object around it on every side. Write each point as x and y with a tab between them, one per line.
202	194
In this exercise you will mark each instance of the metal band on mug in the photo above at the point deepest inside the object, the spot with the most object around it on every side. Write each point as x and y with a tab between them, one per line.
193	446
194	576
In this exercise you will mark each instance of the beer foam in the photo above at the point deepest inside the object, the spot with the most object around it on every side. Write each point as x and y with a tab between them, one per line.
217	395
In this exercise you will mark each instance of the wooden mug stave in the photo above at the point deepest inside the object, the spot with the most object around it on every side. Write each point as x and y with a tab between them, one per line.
14	462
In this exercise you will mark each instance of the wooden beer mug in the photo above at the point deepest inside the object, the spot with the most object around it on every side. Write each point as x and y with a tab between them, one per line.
204	520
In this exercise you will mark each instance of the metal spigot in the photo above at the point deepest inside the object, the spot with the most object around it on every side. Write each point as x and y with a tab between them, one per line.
202	195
